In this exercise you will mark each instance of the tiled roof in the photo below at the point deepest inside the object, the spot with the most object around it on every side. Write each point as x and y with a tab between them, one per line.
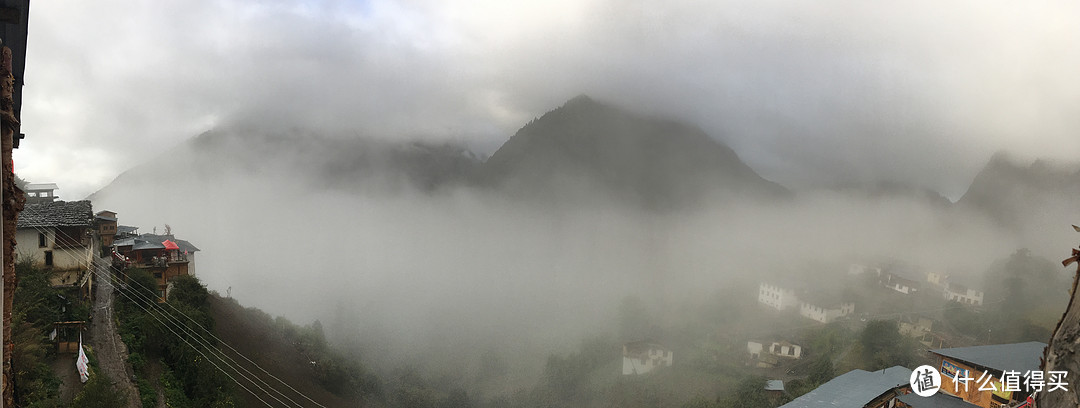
853	389
1016	357
56	214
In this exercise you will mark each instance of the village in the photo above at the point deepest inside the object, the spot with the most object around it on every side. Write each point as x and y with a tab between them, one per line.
81	249
795	332
808	320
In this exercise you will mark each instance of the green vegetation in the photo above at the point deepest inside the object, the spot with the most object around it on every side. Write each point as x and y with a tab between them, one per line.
883	346
37	306
97	393
188	378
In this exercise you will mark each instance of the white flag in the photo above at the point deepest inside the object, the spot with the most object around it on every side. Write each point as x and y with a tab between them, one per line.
81	363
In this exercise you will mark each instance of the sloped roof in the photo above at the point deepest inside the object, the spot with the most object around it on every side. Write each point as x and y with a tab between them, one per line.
140	244
852	389
126	229
56	214
1017	356
183	244
124	242
939	400
41	186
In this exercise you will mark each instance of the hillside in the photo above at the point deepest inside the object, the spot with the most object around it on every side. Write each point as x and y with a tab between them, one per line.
582	147
296	355
315	160
1012	194
658	162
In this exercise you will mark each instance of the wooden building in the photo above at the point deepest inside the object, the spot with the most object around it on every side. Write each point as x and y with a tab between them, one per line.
106	227
993	360
164	256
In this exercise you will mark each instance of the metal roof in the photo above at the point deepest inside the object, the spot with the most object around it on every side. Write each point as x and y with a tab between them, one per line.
853	389
1016	357
939	400
183	244
140	244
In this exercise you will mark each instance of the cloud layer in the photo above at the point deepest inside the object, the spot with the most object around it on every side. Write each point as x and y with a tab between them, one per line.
809	94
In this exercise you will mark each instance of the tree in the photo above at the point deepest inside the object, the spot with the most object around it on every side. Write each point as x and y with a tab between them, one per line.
97	393
884	346
749	393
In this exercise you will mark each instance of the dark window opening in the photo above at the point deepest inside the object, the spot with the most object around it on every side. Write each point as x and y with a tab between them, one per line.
48	258
41	240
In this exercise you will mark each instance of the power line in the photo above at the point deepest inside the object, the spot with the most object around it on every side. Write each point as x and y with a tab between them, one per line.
98	263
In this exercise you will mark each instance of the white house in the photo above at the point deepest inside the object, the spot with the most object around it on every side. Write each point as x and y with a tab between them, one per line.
776	348
963	294
827	313
58	235
936	279
641	357
776	297
900	279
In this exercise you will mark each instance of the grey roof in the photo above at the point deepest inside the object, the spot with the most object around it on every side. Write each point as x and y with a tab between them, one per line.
102	217
140	244
56	214
124	242
853	389
1016	357
126	229
183	244
774	385
41	186
939	400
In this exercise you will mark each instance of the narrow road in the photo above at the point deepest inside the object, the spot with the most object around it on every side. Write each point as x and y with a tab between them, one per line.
111	352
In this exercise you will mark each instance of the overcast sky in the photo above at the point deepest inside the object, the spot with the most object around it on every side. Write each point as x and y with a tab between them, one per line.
806	92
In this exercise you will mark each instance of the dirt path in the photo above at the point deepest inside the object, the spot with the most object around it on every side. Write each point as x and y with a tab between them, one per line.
111	352
64	368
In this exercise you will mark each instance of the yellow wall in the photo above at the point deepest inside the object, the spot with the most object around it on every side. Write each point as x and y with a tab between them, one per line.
972	395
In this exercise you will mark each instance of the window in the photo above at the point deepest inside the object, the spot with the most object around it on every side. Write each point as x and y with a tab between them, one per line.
42	241
48	258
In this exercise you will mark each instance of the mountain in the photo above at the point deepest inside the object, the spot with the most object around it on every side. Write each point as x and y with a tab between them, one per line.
1011	193
893	190
585	145
581	149
316	160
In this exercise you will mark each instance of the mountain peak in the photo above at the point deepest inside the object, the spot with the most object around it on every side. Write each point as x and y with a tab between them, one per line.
580	100
659	162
